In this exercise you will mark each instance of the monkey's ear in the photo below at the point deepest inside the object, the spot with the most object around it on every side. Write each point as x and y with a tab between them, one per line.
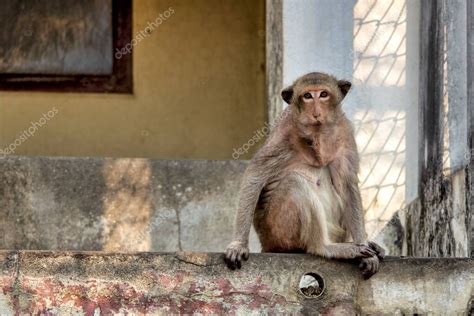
344	86
287	94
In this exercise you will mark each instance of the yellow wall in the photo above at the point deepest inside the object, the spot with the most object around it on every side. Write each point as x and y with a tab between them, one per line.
198	91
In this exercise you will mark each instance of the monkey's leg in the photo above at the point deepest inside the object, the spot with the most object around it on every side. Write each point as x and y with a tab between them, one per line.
315	207
278	227
345	251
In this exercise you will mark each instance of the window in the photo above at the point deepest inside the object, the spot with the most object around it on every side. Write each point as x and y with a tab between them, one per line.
65	45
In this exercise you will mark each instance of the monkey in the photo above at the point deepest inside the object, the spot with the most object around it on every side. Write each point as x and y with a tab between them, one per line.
301	188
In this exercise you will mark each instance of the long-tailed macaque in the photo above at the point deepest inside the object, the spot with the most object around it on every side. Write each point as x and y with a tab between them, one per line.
301	188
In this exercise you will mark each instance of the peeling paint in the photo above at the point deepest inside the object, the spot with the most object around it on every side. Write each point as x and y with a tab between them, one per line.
50	283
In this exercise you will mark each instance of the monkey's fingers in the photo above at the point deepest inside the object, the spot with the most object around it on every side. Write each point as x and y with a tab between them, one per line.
230	259
238	261
242	254
234	256
369	270
369	266
366	251
378	249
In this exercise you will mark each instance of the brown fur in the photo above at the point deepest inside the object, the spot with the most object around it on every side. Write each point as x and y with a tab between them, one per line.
301	188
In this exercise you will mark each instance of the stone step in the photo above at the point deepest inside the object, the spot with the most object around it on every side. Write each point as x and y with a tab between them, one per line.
68	203
93	283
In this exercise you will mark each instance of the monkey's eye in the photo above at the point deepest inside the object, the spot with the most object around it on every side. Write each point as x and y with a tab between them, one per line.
323	94
307	95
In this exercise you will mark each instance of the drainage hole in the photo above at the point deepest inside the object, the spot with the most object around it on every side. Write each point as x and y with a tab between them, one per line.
311	285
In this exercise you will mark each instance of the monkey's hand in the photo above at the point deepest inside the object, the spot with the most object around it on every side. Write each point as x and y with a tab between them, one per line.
379	250
369	266
235	252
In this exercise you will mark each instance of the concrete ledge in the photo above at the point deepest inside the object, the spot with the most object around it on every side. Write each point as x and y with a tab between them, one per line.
91	283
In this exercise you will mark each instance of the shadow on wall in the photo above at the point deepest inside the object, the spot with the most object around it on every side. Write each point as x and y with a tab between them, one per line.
127	204
170	205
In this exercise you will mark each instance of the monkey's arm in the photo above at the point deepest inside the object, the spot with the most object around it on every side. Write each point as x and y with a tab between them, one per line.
344	177
252	184
344	171
267	162
253	181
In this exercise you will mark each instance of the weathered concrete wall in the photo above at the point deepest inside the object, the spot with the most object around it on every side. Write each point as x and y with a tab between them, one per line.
185	283
439	225
118	204
159	205
455	83
393	236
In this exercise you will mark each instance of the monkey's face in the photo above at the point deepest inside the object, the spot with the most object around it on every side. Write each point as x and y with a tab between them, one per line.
317	105
316	98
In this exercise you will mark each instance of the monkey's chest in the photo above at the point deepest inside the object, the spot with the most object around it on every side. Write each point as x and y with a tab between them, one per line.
311	190
318	181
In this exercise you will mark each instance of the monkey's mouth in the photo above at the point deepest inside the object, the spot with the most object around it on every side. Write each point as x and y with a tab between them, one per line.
311	122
